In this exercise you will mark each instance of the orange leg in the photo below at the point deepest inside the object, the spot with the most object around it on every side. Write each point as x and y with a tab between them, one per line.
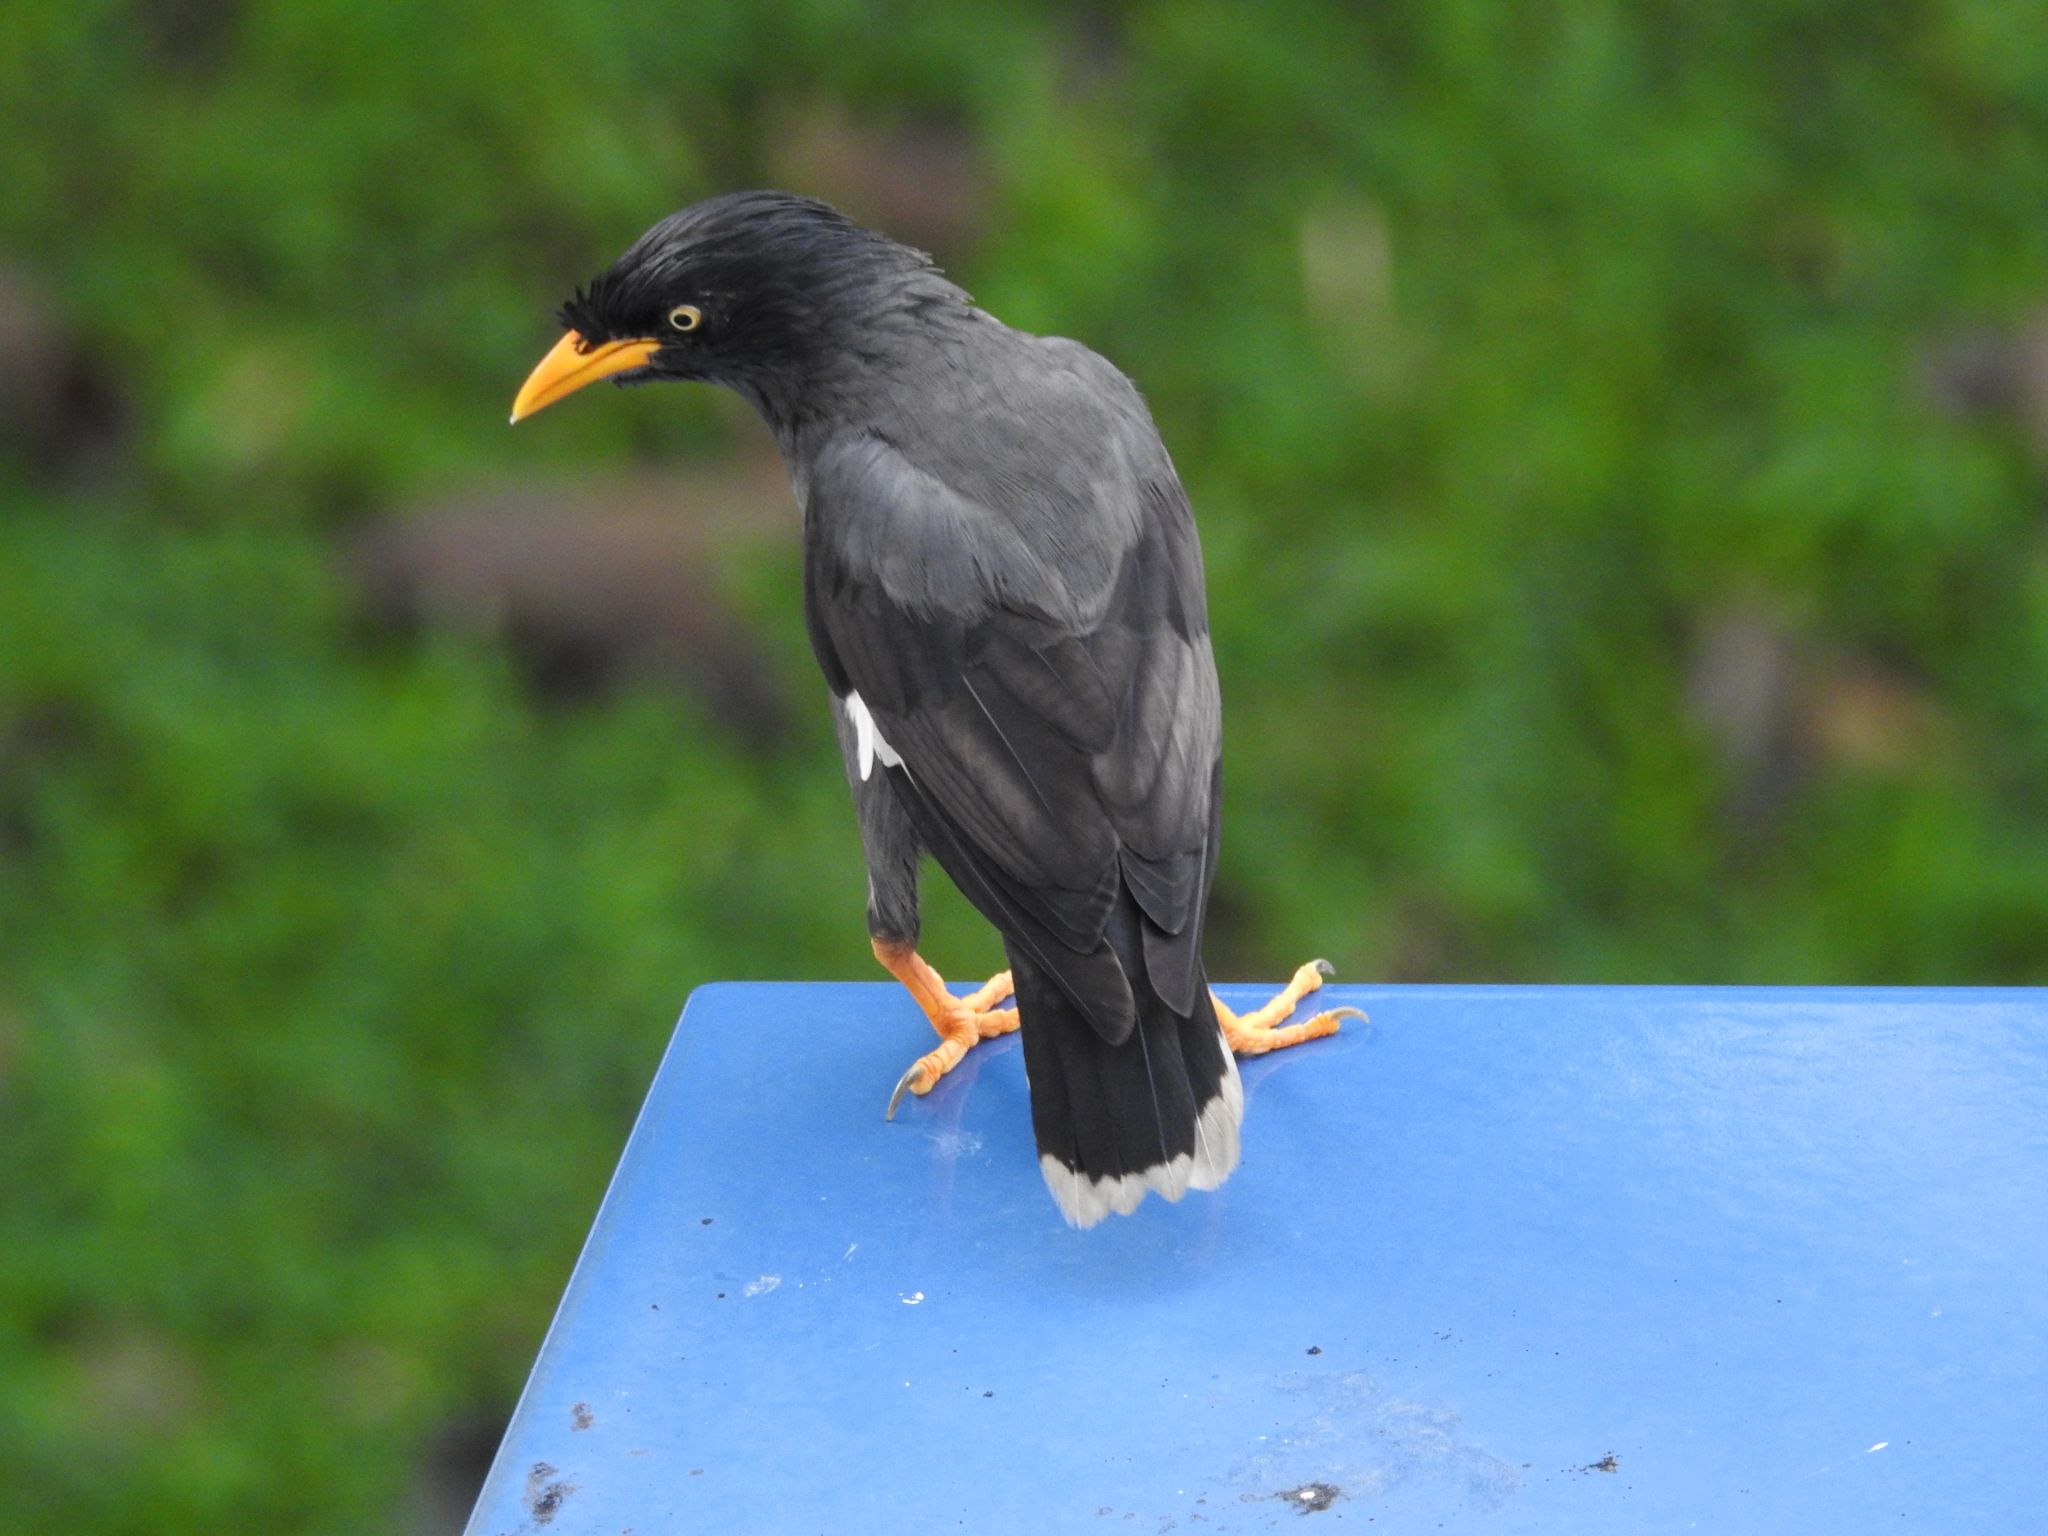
1255	1033
960	1021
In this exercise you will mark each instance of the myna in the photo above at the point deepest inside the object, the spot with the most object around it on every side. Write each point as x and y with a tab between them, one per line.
1003	587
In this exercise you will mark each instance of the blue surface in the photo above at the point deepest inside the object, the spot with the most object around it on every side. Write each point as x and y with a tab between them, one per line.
1781	1254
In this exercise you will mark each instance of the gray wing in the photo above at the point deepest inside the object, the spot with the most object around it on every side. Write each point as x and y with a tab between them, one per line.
1032	644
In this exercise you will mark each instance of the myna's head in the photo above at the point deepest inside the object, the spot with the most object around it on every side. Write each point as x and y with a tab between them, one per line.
752	289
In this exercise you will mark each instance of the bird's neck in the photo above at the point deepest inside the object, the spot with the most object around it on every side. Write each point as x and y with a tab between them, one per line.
862	362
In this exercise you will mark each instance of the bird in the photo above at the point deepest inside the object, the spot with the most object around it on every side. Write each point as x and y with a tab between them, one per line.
1003	587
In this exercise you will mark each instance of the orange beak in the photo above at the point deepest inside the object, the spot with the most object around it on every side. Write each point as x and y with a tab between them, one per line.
574	363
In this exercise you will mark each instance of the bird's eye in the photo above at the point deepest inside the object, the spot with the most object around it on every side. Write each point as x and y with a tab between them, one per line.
685	317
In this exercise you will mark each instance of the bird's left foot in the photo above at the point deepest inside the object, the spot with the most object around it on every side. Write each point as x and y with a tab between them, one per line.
960	1021
1255	1033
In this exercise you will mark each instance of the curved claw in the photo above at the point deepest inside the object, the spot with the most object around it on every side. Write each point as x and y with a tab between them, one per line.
902	1087
1324	966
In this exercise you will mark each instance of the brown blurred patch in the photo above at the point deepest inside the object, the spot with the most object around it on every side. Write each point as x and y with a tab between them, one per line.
921	182
1347	264
1871	720
1432	941
371	1383
595	587
1993	372
36	731
1094	53
136	1383
188	35
1743	681
60	409
1780	708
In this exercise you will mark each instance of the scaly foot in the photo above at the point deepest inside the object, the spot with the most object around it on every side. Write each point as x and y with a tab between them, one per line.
1255	1033
960	1021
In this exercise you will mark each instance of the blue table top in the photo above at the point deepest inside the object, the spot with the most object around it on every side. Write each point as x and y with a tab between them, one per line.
1501	1260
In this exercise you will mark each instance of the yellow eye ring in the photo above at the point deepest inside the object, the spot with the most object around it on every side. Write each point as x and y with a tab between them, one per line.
685	317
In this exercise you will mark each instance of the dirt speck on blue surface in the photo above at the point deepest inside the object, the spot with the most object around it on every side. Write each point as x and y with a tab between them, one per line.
1315	1349
1311	1498
1608	1463
580	1417
545	1493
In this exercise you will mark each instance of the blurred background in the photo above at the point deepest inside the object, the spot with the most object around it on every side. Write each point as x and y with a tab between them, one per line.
1619	435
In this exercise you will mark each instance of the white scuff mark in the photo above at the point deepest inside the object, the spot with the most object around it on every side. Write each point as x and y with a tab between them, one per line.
849	1252
1878	1447
954	1145
913	1298
762	1286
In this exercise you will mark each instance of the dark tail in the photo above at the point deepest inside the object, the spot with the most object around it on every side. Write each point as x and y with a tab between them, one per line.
1157	1111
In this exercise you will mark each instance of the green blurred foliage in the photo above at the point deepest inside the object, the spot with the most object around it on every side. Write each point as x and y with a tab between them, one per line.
1607	587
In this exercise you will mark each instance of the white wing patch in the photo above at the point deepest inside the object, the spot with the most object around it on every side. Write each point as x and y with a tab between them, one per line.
867	741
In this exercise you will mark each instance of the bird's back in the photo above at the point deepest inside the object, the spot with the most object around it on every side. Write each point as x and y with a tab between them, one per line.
1003	565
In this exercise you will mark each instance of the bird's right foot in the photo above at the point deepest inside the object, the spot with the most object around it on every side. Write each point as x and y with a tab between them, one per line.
1255	1033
